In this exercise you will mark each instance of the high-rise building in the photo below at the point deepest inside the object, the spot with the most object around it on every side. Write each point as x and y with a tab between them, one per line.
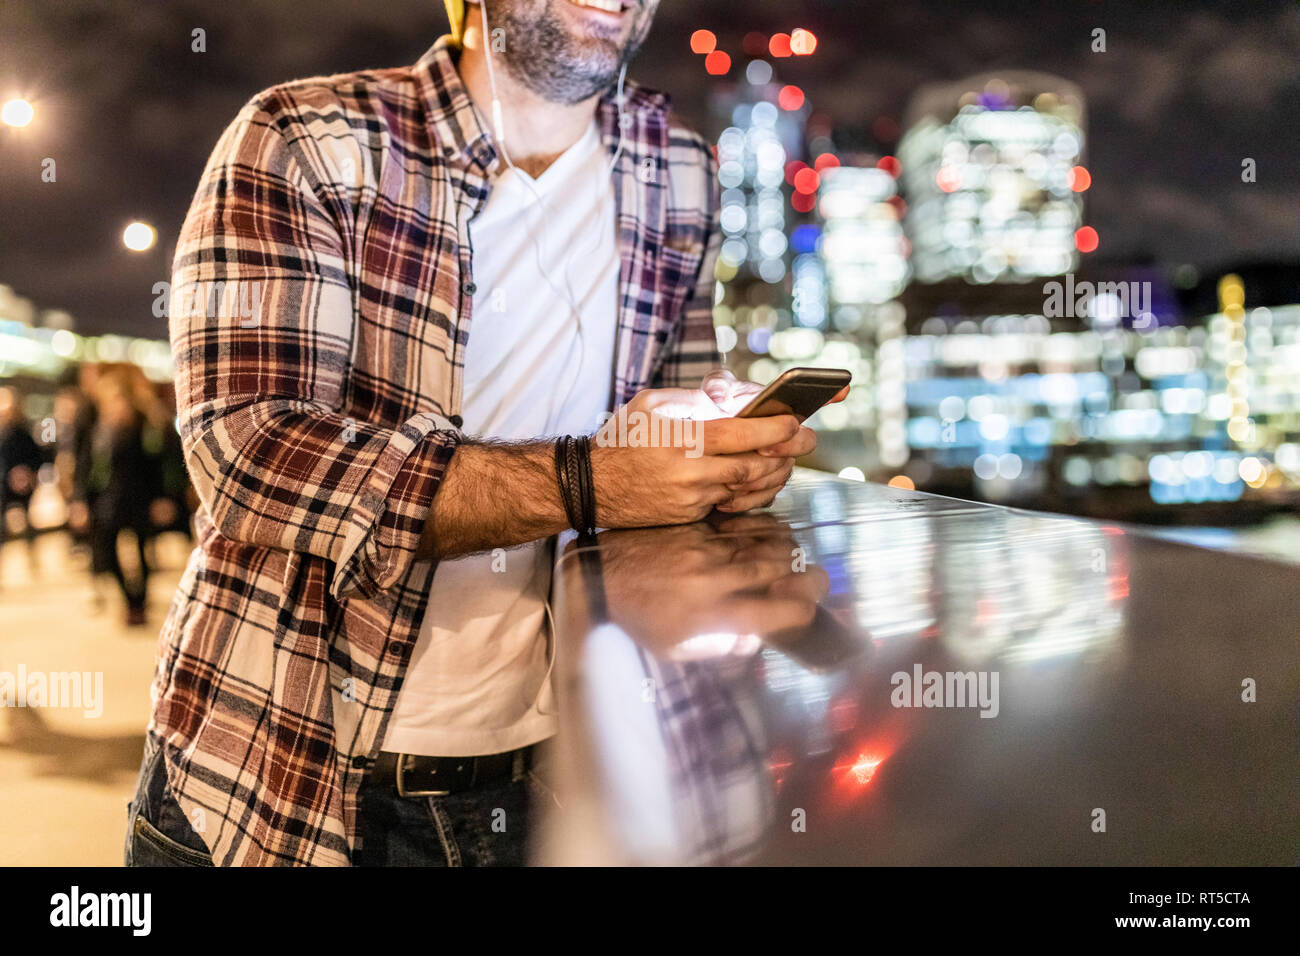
993	174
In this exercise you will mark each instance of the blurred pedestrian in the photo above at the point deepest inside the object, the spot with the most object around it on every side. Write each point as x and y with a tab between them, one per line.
116	490
20	460
74	422
170	509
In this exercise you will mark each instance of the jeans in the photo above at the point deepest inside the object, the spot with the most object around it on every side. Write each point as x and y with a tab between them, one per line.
157	831
488	826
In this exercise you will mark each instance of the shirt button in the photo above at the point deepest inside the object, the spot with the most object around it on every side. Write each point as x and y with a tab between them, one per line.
448	152
456	420
470	288
358	762
395	648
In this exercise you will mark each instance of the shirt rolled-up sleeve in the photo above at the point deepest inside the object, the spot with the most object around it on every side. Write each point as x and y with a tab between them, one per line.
262	327
692	349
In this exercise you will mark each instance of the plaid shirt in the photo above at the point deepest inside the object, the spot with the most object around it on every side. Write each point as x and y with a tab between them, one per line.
319	406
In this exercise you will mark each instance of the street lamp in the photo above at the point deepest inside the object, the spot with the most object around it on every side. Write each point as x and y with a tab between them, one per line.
17	113
139	236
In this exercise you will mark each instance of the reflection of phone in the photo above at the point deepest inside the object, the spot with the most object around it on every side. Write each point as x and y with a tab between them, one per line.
798	392
824	645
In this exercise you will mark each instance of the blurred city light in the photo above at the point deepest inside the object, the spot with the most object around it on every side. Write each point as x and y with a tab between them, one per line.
139	236
703	41
986	164
949	391
17	112
802	42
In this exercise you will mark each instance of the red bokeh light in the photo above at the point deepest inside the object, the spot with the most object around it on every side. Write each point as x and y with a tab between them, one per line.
948	178
779	45
890	164
703	41
790	98
864	768
1080	179
807	180
792	169
803	202
1086	239
754	44
885	129
717	63
802	42
858	770
825	161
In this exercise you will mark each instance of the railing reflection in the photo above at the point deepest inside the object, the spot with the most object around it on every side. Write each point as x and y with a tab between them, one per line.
734	675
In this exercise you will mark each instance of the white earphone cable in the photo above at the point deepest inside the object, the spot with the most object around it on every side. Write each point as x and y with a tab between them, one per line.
500	134
499	131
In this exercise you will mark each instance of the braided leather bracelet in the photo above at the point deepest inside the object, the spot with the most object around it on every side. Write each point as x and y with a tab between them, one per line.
573	474
588	480
568	497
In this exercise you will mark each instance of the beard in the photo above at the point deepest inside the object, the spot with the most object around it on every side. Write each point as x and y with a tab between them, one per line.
544	54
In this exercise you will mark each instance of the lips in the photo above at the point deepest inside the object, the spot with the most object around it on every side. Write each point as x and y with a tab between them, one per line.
608	6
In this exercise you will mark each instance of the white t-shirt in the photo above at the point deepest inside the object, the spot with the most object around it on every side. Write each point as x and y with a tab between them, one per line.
478	681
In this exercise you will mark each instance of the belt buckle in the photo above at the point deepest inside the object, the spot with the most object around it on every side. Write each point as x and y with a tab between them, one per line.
401	782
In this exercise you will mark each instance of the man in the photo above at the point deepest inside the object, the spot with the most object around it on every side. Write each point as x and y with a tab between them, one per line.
355	669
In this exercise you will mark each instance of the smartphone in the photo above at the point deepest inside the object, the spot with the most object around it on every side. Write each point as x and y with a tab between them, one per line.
798	392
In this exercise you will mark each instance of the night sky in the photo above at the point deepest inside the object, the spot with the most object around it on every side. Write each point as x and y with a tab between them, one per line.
1183	93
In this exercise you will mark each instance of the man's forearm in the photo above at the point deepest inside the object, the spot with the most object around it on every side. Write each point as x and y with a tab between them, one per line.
494	495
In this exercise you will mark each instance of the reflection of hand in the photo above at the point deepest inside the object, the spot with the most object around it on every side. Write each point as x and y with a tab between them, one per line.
698	591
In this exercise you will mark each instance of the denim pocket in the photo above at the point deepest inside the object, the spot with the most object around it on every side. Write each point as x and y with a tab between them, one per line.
151	847
157	829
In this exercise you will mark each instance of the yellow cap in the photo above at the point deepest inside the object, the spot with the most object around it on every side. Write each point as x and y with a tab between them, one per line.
456	17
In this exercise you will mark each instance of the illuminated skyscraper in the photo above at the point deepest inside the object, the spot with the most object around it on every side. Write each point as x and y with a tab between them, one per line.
993	178
862	240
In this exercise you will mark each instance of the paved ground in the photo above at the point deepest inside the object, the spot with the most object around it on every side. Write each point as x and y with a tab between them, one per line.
65	774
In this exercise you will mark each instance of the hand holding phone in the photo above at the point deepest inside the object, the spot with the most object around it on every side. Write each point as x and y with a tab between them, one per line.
799	392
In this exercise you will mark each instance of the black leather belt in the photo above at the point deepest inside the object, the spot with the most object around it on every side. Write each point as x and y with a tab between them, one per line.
415	775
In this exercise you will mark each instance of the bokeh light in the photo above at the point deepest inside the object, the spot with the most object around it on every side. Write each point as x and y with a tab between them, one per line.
802	42
139	236
703	41
17	113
